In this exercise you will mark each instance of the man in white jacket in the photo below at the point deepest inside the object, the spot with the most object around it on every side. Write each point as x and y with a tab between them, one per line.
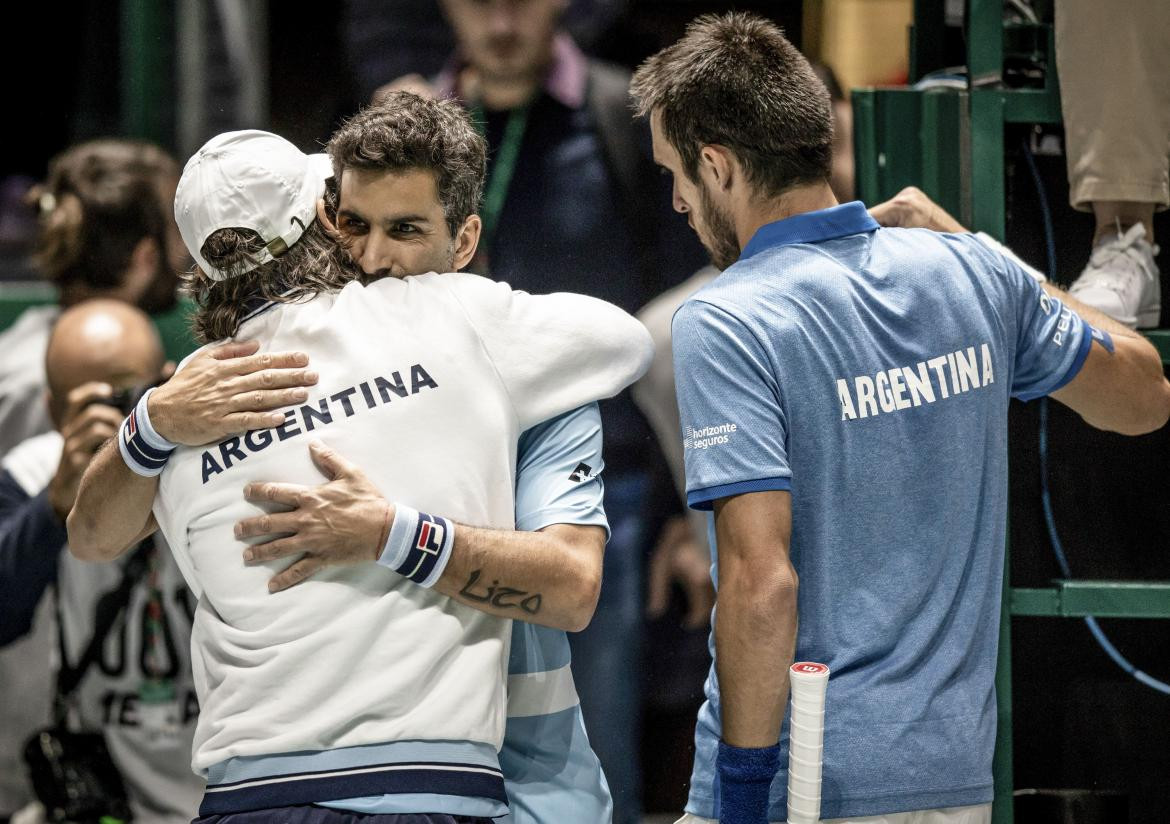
430	380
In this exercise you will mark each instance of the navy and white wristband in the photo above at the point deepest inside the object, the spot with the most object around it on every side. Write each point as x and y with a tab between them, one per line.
144	450
418	546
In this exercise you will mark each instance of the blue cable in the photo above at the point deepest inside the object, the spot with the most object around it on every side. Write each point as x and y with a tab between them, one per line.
1045	495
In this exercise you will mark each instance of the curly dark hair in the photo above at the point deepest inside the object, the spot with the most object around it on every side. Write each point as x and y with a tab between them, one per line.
314	264
404	131
100	199
734	80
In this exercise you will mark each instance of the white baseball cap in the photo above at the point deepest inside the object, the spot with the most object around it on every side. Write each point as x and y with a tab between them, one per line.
249	180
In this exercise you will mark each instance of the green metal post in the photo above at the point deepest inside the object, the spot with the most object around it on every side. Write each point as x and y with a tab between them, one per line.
985	42
865	149
987	185
942	162
146	70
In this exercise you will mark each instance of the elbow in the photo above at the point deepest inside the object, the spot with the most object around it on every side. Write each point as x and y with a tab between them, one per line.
583	599
770	591
84	539
633	350
1159	411
1148	414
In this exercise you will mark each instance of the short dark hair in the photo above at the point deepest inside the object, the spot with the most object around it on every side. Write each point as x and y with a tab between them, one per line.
734	80
403	131
100	199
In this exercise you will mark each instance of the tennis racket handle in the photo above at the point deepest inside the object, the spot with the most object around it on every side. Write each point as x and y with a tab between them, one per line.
808	682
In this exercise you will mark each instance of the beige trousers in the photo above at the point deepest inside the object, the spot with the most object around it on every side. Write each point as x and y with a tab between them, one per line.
978	814
1114	62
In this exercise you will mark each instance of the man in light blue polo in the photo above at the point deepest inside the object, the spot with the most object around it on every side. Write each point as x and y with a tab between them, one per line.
843	392
550	771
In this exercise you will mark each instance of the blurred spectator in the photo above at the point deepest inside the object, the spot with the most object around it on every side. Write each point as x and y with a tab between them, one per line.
136	688
386	39
105	230
569	205
1117	133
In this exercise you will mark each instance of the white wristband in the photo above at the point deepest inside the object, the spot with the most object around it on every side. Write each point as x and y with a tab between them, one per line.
418	546
149	433
143	450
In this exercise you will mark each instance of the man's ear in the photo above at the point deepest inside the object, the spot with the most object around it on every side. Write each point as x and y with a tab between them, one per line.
326	223
146	257
718	166
141	269
466	241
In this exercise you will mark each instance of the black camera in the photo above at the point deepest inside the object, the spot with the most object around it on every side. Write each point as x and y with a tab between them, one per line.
122	399
125	400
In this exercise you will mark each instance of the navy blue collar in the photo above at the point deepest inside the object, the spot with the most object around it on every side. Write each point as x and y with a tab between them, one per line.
811	227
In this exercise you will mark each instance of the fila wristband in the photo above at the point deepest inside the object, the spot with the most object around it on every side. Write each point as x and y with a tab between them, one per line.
418	546
144	450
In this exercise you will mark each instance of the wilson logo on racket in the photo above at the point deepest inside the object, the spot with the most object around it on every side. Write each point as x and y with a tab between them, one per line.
809	668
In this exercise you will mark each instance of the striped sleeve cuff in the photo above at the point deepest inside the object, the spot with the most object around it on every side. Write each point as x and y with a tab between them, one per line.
704	499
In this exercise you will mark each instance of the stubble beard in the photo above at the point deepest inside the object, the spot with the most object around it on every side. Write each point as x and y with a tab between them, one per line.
718	235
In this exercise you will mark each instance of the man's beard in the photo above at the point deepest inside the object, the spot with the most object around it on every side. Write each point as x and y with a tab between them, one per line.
719	238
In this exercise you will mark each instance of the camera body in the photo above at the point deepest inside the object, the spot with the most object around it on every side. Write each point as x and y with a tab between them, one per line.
124	400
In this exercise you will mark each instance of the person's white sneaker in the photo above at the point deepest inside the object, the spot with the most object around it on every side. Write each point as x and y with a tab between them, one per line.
1122	279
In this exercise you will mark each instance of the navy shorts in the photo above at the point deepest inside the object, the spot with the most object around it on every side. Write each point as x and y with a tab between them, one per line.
312	814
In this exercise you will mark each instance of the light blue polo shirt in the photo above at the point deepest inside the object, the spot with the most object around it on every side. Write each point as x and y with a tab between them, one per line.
867	371
550	770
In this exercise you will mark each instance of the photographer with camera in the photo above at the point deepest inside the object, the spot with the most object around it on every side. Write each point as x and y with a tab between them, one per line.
124	706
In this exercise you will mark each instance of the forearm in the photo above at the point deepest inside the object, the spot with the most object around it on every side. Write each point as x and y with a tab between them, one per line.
1088	313
113	508
755	640
1131	395
31	538
551	577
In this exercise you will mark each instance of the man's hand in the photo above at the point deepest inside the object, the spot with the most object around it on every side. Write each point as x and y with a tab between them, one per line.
678	557
85	427
912	209
228	390
345	521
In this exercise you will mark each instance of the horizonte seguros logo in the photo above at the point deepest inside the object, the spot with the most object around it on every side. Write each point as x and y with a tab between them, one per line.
707	436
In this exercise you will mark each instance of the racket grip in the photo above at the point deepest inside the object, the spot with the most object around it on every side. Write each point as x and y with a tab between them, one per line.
806	736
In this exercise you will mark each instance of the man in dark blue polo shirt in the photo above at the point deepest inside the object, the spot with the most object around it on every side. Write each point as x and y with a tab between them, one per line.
843	391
